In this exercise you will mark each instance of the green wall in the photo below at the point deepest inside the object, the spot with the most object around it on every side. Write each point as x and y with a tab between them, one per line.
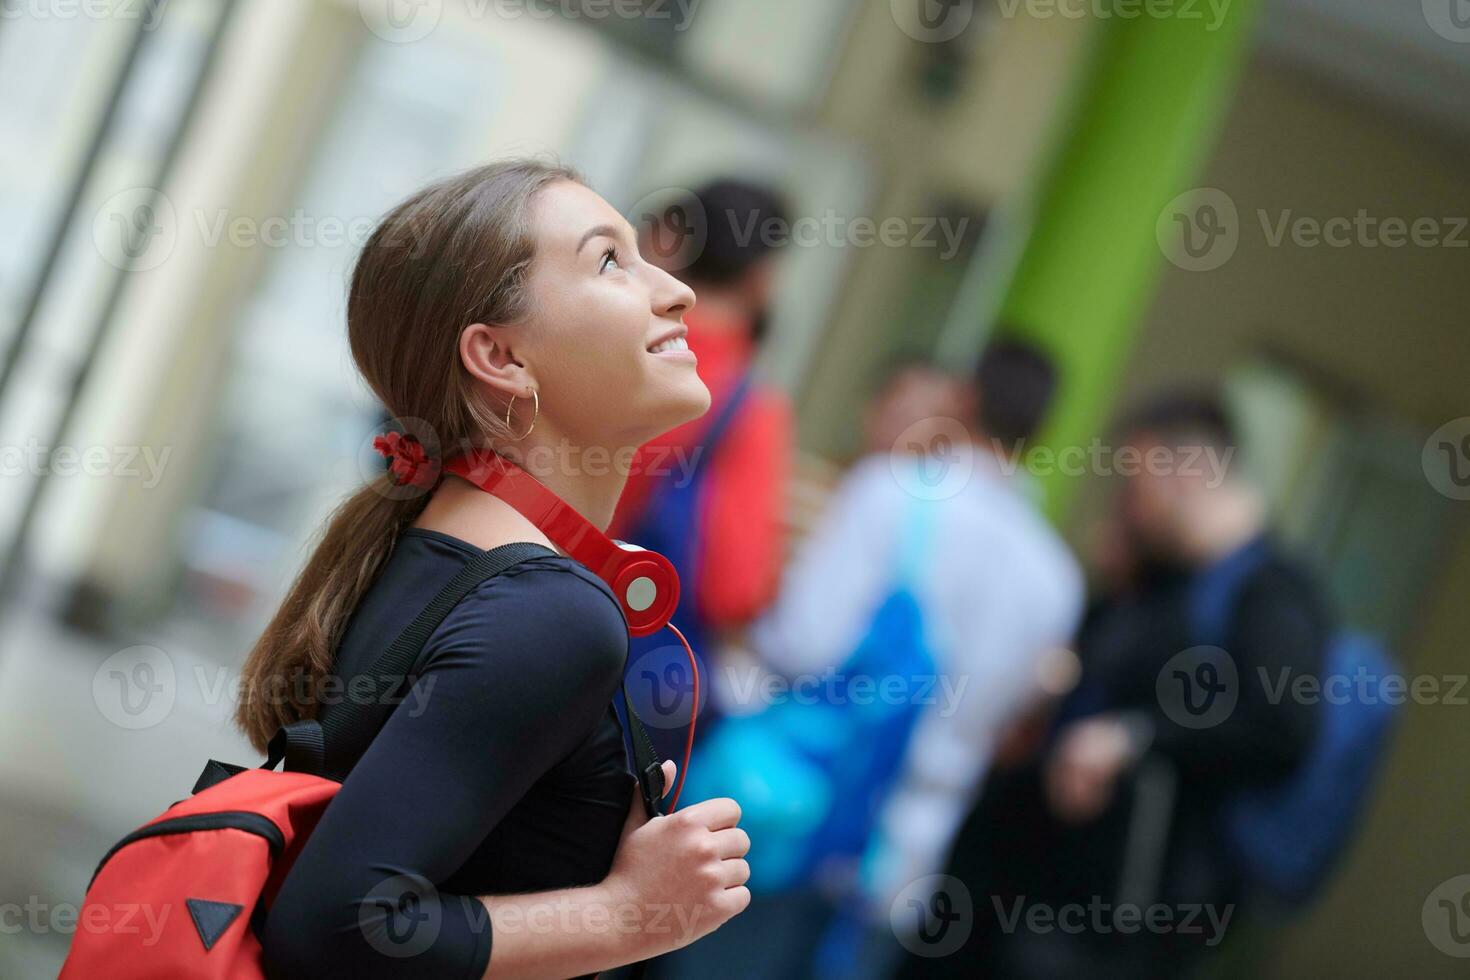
1146	114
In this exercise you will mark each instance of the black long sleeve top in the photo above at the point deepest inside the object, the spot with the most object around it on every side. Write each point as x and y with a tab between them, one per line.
502	771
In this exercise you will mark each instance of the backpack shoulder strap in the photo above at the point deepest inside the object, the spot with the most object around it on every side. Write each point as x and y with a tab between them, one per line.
647	765
320	747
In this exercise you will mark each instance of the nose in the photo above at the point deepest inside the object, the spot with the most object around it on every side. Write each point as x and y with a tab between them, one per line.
671	297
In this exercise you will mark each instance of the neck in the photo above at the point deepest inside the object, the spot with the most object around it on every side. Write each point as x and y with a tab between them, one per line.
585	478
589	479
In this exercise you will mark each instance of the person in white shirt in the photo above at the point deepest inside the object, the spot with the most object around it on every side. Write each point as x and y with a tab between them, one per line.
998	589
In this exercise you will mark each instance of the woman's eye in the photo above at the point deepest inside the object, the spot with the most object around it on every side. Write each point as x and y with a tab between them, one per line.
609	258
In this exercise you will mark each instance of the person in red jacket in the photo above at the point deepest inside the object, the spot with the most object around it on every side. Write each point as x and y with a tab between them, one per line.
711	494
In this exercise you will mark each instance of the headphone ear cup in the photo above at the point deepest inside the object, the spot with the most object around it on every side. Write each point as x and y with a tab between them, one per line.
647	587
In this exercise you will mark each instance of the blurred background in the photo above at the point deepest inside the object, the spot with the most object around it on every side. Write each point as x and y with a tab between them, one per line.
1133	188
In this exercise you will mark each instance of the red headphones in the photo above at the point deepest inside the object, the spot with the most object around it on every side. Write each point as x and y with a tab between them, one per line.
644	582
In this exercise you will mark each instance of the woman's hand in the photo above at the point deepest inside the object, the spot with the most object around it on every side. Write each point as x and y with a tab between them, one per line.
680	876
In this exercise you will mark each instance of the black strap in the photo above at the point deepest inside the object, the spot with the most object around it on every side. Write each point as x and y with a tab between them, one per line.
647	766
324	747
354	722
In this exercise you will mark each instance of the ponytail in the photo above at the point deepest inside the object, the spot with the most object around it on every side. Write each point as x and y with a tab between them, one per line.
295	652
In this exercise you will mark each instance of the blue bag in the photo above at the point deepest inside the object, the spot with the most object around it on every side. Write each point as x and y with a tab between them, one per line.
669	523
812	774
1289	836
658	674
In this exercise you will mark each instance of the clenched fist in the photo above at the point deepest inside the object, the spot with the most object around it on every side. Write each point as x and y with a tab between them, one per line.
685	871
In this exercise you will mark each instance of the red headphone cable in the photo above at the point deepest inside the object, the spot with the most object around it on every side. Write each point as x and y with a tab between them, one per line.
693	715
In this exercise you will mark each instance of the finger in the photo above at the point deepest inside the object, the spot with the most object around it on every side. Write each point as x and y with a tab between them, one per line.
669	770
731	843
716	814
732	901
734	872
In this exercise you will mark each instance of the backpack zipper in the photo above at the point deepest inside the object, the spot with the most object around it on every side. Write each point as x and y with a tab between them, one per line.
252	823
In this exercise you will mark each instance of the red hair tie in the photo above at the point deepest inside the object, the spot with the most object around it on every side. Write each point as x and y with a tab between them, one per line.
408	461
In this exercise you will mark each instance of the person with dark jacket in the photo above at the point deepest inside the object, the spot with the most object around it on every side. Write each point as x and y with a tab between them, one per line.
1104	855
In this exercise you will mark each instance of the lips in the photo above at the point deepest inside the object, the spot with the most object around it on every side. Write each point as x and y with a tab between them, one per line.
671	341
672	344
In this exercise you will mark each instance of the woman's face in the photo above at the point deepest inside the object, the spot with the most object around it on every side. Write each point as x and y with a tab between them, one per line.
604	340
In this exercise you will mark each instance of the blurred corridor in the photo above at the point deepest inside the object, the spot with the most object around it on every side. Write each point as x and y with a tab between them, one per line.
1264	198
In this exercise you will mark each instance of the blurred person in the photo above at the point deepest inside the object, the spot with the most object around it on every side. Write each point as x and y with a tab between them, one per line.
523	318
985	586
913	394
1126	803
711	494
1011	594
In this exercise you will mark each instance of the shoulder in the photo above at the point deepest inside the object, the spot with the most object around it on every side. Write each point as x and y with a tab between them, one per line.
549	614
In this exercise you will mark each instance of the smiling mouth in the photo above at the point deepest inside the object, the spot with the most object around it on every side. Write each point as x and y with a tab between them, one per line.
672	344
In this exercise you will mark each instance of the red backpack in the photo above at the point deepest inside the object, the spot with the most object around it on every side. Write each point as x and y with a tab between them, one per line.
186	894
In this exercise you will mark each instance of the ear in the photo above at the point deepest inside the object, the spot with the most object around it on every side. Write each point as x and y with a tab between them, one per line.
486	354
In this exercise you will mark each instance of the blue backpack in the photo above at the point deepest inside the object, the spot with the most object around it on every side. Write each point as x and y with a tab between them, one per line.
658	676
812	774
1289	836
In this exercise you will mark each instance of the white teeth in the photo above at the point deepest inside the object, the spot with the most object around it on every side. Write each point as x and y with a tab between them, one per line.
673	343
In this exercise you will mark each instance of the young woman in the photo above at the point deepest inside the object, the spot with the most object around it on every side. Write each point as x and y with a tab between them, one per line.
492	828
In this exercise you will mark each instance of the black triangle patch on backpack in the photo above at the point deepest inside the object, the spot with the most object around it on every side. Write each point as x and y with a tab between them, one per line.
211	919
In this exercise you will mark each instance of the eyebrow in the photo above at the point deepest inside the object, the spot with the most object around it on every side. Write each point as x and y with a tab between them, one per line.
600	231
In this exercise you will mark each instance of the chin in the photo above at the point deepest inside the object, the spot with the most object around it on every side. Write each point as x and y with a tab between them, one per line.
687	409
681	405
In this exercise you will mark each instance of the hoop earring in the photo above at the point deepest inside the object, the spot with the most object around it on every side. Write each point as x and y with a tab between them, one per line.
535	414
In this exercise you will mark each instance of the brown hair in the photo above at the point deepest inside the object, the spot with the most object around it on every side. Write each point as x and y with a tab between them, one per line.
457	252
